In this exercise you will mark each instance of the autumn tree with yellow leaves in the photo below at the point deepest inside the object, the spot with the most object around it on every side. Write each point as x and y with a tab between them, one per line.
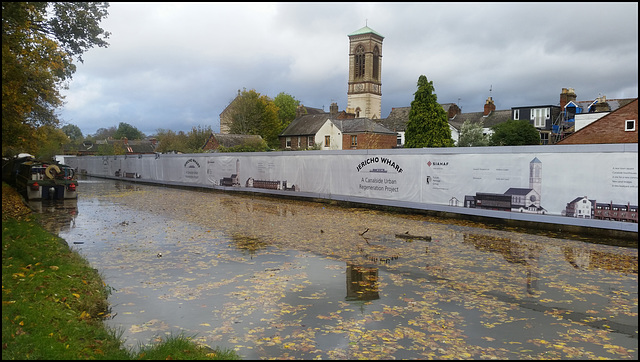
40	41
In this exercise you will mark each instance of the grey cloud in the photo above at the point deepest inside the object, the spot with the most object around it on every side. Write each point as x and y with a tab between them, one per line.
175	66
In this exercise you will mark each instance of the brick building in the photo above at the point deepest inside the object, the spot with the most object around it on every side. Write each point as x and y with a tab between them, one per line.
619	126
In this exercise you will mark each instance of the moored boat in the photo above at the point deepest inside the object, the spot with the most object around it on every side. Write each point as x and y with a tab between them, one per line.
47	181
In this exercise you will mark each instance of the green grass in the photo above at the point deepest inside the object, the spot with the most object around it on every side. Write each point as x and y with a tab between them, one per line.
53	304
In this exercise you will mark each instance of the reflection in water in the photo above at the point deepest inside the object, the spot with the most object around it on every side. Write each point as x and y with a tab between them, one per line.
595	259
515	253
511	252
248	244
62	213
279	210
126	186
362	283
266	277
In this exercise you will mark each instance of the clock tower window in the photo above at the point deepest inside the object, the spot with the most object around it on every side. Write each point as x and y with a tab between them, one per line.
359	61
376	63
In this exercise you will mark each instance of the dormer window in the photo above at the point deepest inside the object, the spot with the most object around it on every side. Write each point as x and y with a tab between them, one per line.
539	117
630	125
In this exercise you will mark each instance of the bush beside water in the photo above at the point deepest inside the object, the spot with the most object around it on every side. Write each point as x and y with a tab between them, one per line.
54	303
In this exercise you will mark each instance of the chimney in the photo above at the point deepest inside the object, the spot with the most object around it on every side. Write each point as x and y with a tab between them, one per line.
333	109
454	110
566	96
489	106
602	105
300	111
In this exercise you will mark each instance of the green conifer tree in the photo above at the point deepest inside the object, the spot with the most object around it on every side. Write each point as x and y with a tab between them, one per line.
428	125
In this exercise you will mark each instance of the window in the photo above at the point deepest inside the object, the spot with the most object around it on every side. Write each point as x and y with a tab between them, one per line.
310	141
539	117
544	138
516	114
327	141
299	143
399	140
354	140
288	142
630	125
359	62
376	63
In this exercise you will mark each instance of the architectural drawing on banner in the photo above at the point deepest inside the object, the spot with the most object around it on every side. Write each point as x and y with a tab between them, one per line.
599	183
584	208
515	198
234	180
210	169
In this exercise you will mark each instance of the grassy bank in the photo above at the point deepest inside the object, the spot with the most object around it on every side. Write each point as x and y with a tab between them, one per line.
53	302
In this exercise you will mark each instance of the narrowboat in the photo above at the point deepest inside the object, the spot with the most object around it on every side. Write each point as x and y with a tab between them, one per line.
46	181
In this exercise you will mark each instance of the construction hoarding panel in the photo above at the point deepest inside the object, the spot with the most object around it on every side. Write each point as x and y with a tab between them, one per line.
527	179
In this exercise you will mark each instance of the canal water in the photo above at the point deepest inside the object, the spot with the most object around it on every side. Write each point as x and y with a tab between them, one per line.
290	279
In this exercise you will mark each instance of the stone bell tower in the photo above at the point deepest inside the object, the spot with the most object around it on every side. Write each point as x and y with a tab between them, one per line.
364	93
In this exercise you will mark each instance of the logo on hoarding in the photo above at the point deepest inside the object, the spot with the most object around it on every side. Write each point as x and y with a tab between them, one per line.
191	163
383	160
437	163
192	169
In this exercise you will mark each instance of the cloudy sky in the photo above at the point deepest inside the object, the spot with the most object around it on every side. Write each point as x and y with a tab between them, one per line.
176	66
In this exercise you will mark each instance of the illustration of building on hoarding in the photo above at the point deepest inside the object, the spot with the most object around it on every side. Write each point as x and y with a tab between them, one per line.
582	207
515	199
271	185
234	180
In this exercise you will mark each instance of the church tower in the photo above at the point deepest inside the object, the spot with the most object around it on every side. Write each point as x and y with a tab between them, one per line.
364	93
535	179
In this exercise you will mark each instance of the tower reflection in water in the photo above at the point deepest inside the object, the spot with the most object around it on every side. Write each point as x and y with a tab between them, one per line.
362	283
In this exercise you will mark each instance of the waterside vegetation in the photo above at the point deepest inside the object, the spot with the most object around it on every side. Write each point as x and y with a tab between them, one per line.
54	302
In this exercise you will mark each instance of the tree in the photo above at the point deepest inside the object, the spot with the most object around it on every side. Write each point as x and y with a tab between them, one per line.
471	135
170	141
104	133
129	131
255	114
50	141
514	133
73	132
287	106
39	42
197	137
428	125
249	146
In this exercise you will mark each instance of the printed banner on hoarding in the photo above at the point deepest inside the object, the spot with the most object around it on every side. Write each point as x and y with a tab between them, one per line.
574	184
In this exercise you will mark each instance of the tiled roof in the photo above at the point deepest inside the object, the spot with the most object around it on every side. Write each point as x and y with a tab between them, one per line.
311	110
604	130
361	125
231	140
398	118
517	191
309	124
495	117
134	146
613	103
365	30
